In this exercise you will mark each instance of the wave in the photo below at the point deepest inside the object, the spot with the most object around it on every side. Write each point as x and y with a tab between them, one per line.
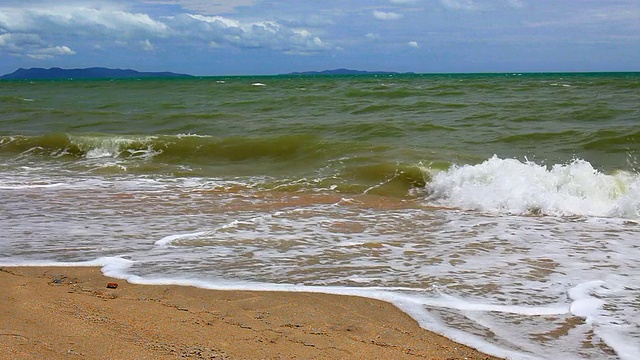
310	163
185	147
283	163
526	188
619	141
386	179
61	145
536	137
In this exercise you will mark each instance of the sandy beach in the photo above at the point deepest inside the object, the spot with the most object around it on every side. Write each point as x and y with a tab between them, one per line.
69	313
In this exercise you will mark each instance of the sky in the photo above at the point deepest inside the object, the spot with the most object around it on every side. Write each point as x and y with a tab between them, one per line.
264	37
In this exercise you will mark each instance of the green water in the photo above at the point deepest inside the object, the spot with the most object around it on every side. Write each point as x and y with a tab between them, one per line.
354	129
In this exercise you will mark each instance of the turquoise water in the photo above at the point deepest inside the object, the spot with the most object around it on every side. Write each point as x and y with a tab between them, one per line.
498	209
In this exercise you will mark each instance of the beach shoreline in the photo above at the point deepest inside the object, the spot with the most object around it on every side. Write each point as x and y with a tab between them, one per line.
69	312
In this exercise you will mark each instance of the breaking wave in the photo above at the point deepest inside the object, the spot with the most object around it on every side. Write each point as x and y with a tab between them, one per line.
524	187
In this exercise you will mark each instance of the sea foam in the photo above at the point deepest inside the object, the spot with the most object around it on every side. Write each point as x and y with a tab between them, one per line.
516	187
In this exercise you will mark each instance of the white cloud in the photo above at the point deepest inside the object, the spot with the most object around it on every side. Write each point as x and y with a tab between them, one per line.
50	52
47	27
468	5
31	45
40	32
413	44
206	7
146	45
224	22
15	41
261	34
80	20
372	36
386	15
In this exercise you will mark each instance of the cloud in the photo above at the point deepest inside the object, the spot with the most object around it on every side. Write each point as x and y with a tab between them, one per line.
146	45
474	5
381	15
263	34
79	20
413	44
372	36
50	52
46	29
468	5
32	46
206	7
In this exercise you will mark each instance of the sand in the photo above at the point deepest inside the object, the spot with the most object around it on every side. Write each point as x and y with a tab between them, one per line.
69	313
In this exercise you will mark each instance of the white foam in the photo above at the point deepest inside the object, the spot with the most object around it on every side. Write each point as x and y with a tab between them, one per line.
30	186
512	186
111	147
584	305
115	265
112	165
99	153
97	148
626	347
453	302
168	240
587	304
189	135
258	84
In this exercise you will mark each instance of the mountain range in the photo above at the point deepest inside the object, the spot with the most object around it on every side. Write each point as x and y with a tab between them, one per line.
88	73
106	73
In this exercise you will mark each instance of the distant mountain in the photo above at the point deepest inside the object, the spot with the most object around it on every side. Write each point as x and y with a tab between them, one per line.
88	73
343	72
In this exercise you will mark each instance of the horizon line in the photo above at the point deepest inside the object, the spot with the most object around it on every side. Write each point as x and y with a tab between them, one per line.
328	72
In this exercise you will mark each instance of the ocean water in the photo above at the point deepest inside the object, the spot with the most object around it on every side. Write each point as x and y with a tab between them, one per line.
501	210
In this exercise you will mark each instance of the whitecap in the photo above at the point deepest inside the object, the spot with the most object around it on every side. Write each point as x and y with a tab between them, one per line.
515	187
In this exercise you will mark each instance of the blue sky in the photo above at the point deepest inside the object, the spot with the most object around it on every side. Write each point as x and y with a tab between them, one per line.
243	37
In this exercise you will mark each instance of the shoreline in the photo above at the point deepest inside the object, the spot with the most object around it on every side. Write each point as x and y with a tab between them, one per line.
58	312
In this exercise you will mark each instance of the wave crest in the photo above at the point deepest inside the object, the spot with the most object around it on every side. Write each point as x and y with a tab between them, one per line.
512	186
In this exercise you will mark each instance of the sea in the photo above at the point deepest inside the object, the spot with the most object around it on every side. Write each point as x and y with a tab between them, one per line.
500	210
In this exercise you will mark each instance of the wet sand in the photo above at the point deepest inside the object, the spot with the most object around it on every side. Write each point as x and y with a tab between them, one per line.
69	313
